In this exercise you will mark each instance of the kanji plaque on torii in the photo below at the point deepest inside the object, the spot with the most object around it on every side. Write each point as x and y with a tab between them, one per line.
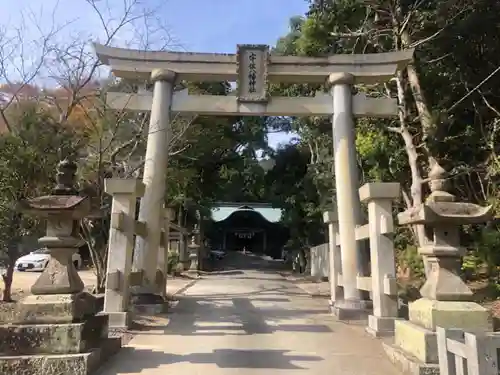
252	60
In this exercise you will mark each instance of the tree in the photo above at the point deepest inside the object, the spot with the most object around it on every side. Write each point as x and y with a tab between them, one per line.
448	96
424	121
291	188
108	144
27	168
364	26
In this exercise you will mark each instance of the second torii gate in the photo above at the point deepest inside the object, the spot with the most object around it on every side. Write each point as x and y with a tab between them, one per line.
253	67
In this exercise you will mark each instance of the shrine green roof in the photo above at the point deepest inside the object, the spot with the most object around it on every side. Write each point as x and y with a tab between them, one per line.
224	210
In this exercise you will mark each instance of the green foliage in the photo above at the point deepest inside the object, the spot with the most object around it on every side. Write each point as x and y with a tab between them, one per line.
218	161
455	53
470	265
172	261
488	250
292	188
27	168
410	258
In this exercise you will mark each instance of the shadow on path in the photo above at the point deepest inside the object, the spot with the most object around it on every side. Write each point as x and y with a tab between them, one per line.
247	320
223	358
236	316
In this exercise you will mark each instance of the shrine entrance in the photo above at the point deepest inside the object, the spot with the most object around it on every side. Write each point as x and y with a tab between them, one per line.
247	239
247	227
253	67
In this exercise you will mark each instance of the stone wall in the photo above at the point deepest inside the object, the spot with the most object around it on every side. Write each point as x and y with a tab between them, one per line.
319	262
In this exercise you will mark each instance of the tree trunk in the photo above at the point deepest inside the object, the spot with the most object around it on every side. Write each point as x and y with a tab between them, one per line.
411	150
7	278
403	41
427	121
428	124
98	247
12	253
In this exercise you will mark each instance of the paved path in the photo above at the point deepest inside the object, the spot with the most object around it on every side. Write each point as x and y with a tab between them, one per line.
250	322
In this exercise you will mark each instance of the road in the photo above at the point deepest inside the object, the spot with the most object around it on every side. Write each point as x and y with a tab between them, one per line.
250	320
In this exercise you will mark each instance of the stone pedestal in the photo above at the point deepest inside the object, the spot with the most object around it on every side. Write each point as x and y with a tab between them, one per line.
57	329
446	300
379	196
334	262
414	349
415	344
53	335
120	247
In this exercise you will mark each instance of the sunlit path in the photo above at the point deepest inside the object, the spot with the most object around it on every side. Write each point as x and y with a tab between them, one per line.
250	321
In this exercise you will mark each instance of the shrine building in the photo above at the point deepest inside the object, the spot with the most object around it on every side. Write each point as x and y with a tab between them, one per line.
256	227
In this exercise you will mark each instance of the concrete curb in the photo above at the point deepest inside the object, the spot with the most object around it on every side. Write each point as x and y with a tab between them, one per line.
294	279
287	276
297	282
313	294
186	287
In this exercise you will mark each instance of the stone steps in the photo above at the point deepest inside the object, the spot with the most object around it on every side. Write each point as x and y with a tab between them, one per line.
57	364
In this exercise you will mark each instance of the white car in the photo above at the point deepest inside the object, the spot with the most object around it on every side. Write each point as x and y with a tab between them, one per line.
37	261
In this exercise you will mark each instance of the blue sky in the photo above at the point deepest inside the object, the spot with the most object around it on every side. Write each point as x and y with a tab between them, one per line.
195	25
232	22
218	25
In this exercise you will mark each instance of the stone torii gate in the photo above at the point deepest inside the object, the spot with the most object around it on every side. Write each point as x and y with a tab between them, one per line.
253	67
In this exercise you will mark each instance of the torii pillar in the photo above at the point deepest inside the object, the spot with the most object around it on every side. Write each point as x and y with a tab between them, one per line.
154	179
346	185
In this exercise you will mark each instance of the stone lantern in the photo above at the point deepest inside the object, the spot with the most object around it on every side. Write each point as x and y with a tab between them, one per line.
63	210
57	330
446	300
194	246
442	217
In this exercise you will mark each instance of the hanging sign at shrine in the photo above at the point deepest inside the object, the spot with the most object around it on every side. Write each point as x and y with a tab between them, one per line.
252	72
244	235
